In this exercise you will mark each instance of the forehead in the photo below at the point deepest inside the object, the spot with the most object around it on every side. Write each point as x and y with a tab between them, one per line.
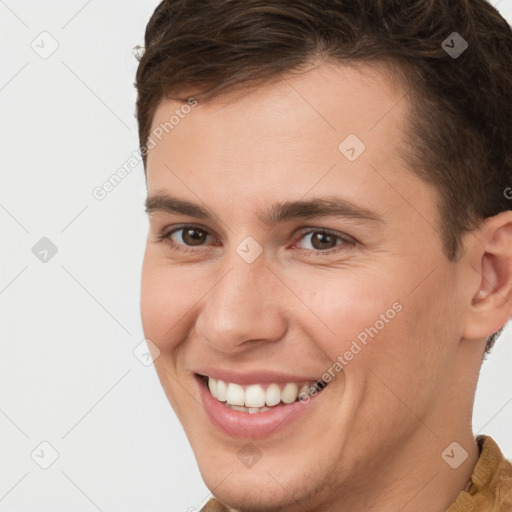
315	108
332	127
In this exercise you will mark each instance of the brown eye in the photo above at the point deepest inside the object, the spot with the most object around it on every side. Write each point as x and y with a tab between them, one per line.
322	241
192	236
319	241
187	239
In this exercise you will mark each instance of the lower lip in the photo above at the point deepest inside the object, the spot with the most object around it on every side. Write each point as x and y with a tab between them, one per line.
252	426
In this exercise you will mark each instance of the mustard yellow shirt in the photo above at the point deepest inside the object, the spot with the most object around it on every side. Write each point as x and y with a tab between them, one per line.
490	489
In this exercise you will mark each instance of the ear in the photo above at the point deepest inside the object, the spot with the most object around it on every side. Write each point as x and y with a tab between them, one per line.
489	250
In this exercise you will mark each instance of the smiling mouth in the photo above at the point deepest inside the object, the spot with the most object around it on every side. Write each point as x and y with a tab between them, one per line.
259	398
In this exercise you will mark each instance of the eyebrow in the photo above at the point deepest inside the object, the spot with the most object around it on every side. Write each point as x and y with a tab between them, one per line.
278	212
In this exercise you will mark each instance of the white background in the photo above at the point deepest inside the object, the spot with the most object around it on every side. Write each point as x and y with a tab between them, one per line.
68	327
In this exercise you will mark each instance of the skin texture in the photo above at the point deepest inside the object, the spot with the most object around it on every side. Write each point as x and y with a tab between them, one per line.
374	439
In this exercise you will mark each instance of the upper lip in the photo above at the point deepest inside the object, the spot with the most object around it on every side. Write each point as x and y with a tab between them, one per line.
253	376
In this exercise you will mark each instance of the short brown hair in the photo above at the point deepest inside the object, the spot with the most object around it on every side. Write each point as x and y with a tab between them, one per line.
459	136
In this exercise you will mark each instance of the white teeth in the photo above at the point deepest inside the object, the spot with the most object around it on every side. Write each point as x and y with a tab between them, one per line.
255	398
222	388
212	384
273	395
235	394
250	410
289	393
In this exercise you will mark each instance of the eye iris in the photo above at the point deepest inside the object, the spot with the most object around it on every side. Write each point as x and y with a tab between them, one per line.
321	238
189	238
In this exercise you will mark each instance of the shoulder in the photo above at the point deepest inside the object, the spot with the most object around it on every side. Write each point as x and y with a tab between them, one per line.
491	482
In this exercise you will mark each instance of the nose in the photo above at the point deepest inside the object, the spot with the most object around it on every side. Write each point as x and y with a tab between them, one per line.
245	307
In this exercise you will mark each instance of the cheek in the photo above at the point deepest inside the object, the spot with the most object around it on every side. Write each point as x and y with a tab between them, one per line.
407	360
380	321
162	301
347	310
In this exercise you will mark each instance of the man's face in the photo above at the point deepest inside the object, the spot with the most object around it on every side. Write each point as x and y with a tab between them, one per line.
257	302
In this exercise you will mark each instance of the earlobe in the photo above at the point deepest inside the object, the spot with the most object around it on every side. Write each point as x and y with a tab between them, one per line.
491	302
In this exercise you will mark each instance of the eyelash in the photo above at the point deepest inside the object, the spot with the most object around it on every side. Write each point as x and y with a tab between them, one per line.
346	239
